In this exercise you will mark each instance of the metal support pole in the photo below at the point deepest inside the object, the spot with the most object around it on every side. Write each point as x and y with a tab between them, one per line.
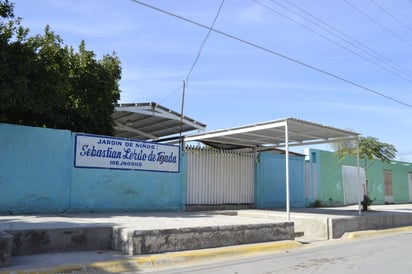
287	171
358	174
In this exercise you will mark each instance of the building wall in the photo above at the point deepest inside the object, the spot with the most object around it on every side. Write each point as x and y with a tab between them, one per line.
330	185
35	169
126	190
329	180
270	181
37	175
400	186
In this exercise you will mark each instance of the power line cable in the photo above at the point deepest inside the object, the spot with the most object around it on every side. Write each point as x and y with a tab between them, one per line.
171	94
331	40
274	53
348	39
204	42
198	54
193	66
378	24
392	16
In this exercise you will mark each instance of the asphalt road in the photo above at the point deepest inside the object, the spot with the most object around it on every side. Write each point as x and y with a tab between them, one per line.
379	254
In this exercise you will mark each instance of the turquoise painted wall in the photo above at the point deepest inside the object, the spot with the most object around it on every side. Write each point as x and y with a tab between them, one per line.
37	175
330	186
329	182
270	181
127	190
35	167
400	185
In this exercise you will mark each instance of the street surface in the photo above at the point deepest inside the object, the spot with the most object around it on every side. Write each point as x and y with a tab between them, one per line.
378	254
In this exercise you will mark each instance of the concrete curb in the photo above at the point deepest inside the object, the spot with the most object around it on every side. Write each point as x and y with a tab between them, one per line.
160	260
370	233
6	246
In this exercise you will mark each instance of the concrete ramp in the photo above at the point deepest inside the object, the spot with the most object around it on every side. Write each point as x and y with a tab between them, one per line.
369	221
136	242
36	241
311	227
332	223
6	247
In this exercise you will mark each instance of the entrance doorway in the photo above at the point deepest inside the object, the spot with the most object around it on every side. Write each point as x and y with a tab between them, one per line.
219	177
387	180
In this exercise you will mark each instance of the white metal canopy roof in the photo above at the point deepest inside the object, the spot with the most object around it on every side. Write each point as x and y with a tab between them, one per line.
272	134
279	133
150	121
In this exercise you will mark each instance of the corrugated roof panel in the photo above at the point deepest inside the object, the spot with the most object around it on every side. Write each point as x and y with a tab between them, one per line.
272	133
150	121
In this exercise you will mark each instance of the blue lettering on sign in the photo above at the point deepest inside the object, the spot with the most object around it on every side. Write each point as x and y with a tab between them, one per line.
109	142
163	158
126	163
103	153
130	154
144	145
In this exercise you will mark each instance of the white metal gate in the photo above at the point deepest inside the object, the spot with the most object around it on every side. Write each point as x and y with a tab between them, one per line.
216	177
352	191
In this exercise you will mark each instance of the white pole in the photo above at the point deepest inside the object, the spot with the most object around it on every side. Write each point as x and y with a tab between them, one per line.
358	174
287	170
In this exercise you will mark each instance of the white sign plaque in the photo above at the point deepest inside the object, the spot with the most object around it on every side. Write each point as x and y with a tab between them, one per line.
92	151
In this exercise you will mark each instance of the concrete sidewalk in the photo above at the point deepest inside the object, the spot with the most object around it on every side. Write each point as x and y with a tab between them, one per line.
100	229
187	219
142	221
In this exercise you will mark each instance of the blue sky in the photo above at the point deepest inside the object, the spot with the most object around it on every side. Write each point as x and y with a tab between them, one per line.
233	83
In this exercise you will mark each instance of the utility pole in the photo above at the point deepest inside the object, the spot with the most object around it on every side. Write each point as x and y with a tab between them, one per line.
181	114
